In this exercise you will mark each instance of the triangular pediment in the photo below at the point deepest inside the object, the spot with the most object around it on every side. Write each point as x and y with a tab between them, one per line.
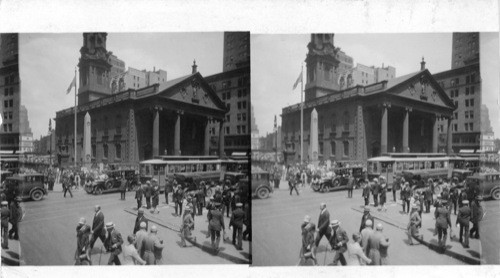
422	87
194	90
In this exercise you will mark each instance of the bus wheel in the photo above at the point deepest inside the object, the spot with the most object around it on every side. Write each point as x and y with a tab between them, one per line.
496	194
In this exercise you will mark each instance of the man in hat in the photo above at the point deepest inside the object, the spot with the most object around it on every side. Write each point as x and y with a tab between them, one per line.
414	224
428	195
179	198
323	224
366	216
5	215
463	219
66	184
187	226
83	242
375	191
216	225
366	192
130	254
476	216
377	246
138	196
147	194
350	186
365	235
15	211
139	238
338	242
155	192
200	198
98	230
123	187
140	219
406	196
442	215
237	219
114	243
307	220
152	247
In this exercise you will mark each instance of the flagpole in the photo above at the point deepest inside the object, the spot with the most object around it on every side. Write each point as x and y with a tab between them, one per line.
75	123
301	114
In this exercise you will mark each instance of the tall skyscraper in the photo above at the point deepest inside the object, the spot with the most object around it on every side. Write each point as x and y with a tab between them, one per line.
465	49
236	50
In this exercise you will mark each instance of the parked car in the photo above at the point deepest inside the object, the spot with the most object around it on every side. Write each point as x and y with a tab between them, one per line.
112	182
261	187
192	181
234	177
487	184
25	186
341	178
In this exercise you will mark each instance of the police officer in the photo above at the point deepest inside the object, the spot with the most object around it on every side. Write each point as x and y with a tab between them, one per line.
463	219
405	197
67	186
5	215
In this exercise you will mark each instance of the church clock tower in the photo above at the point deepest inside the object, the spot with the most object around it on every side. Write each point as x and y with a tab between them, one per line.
94	68
322	65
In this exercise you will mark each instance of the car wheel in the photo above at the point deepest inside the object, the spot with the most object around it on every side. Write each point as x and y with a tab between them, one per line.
109	185
98	191
88	189
496	194
336	183
316	186
263	193
209	192
36	195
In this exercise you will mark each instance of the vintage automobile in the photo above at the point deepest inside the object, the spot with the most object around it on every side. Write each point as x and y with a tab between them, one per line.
486	184
261	187
340	180
112	182
25	186
242	187
419	178
193	181
461	174
234	177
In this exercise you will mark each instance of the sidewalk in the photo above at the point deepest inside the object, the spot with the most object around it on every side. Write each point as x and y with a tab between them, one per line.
394	216
227	250
12	255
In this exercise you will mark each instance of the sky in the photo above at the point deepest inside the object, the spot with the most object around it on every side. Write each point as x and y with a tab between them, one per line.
276	62
47	64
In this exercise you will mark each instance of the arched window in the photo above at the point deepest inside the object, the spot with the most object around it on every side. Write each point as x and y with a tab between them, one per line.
333	148
334	122
346	121
118	150
346	148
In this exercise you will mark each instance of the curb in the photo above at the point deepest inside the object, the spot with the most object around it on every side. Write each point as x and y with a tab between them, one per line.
10	262
433	247
204	248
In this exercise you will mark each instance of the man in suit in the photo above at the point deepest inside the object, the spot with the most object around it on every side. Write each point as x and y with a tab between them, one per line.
377	246
338	242
463	218
5	214
139	238
140	218
200	200
216	225
405	197
138	196
237	219
147	194
428	199
350	186
375	191
114	241
152	247
98	227
365	235
66	184
366	216
323	224
366	192
476	216
442	215
123	187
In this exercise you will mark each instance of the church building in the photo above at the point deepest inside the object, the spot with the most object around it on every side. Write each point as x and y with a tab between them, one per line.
355	123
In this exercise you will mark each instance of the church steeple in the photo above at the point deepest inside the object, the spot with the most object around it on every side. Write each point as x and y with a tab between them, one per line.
322	64
94	68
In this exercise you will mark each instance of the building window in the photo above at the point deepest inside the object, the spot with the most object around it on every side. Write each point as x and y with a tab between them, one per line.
346	121
10	127
334	123
333	147
6	92
5	127
455	115
228	106
456	104
455	127
346	148
105	147
227	130
471	101
471	126
6	103
228	95
473	78
243	129
467	79
118	149
466	114
471	114
94	151
457	81
238	116
243	116
472	90
118	124
466	103
228	118
238	129
466	127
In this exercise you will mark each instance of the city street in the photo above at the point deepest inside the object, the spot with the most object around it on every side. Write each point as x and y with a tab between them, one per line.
489	228
278	236
48	234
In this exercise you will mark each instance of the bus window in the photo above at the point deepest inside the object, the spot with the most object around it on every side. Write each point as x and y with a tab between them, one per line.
445	164
427	165
410	165
183	168
422	165
399	166
162	169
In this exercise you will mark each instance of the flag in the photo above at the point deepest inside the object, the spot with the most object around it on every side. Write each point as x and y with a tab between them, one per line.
73	84
299	79
50	125
275	124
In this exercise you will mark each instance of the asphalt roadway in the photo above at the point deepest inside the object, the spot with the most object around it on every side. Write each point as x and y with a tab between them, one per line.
48	236
277	235
488	229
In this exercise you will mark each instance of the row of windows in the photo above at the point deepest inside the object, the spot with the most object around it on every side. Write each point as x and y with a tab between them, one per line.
469	102
469	114
9	91
469	126
242	93
105	147
7	115
333	148
10	79
241	129
242	105
8	103
468	91
226	95
7	127
241	116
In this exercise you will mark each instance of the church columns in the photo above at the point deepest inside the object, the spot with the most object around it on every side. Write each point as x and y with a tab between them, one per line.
221	138
383	136
206	142
156	132
435	134
406	129
177	133
449	149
